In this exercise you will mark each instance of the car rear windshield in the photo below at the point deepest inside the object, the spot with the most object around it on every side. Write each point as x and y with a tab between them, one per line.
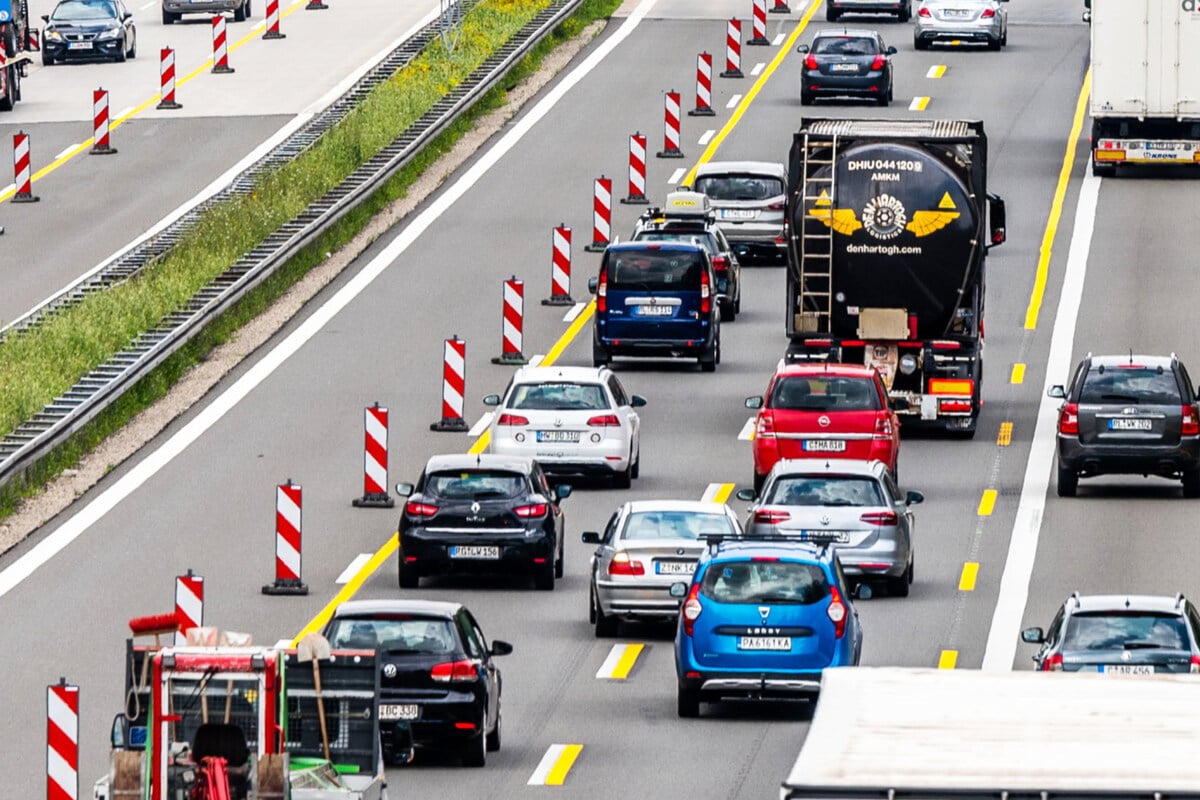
845	46
676	525
558	397
1125	631
703	238
765	582
650	270
393	632
738	186
475	484
1130	384
824	394
825	490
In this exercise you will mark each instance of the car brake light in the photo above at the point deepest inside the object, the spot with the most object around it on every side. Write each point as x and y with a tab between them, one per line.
771	516
1068	419
1052	663
691	609
415	509
721	264
455	671
988	13
883	427
512	419
880	518
836	612
1191	421
622	564
777	207
878	63
705	299
923	12
604	421
1195	668
529	512
602	291
765	428
810	61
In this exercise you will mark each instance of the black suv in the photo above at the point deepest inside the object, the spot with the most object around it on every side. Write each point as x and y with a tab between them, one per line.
1128	414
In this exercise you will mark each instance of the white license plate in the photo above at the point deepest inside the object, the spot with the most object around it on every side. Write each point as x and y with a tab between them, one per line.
1122	424
842	537
79	45
1127	669
738	213
824	446
391	712
764	643
843	67
654	311
558	436
674	568
956	12
474	551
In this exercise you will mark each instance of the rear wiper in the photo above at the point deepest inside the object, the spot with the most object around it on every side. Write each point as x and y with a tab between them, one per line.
837	503
780	598
1124	398
1141	645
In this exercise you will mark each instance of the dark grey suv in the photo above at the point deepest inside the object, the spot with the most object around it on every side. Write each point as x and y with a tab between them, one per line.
1128	414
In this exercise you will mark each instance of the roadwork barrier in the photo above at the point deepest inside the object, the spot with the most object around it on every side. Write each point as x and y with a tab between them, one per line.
637	170
560	267
289	522
601	214
189	604
512	323
733	49
454	386
166	79
100	124
375	460
671	126
22	173
703	87
62	741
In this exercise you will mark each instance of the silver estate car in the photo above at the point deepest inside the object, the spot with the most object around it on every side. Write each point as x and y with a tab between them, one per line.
646	546
955	21
857	500
749	198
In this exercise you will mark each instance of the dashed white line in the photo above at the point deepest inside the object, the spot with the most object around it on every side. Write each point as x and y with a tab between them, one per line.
124	112
574	312
677	176
259	26
707	137
779	40
746	434
758	68
536	360
710	493
481	424
63	154
143	8
352	570
733	101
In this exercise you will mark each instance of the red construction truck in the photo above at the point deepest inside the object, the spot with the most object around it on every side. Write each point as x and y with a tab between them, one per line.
17	41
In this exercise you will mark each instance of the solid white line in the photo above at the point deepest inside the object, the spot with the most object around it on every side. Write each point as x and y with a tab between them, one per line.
711	492
259	26
758	68
707	137
536	361
70	149
548	761
141	472
1022	547
9	188
481	425
733	101
677	176
747	429
282	644
352	570
614	657
148	5
575	311
779	40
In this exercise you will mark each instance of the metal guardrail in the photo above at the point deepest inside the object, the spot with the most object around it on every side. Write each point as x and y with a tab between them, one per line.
94	392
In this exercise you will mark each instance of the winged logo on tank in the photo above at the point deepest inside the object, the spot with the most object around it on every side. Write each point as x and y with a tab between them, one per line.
884	209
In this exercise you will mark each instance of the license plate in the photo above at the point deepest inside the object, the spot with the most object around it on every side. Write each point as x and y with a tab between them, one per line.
654	311
558	436
674	568
956	12
738	213
79	45
824	446
474	551
1127	669
764	643
391	712
1122	424
842	537
843	67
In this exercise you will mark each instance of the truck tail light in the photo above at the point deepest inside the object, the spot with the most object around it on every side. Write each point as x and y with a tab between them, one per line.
622	564
415	509
837	612
455	671
512	419
880	518
691	609
1191	421
602	291
1068	419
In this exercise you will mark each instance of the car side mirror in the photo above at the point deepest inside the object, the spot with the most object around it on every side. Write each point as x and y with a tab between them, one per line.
802	49
127	15
119	737
405	489
1033	635
491	400
562	491
500	648
891	51
899	404
746	494
590	537
45	18
592	284
997	216
1087	17
1057	391
637	401
754	402
679	589
913	498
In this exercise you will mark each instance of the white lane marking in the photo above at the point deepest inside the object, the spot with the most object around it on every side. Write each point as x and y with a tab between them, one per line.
610	664
707	137
553	754
733	101
141	472
536	361
148	5
481	425
758	68
259	26
352	570
747	429
11	187
779	40
1022	547
67	152
677	176
575	311
124	112
918	104
282	644
710	493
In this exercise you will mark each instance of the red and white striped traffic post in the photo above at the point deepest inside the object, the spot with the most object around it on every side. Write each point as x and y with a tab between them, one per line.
100	145
289	522
375	460
220	57
166	79
760	24
671	126
512	323
560	268
273	21
703	87
601	215
189	604
637	170
733	49
454	386
781	7
24	179
62	741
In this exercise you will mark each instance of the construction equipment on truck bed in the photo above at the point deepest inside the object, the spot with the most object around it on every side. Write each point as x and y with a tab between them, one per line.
17	42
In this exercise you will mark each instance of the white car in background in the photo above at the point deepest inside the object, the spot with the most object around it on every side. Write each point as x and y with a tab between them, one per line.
575	421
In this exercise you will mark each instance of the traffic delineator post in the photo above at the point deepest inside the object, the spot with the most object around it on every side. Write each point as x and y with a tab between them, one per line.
273	21
62	741
375	460
220	57
23	179
601	215
781	7
671	133
100	126
637	170
512	323
733	49
315	5
289	522
560	268
760	24
454	384
189	604
166	79
703	87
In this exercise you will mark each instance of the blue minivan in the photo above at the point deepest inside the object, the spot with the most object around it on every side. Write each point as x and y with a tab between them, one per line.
656	299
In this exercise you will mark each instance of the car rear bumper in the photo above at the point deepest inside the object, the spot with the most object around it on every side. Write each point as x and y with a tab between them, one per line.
949	31
751	233
607	456
202	6
867	8
650	601
432	554
718	685
662	348
1167	460
818	84
437	724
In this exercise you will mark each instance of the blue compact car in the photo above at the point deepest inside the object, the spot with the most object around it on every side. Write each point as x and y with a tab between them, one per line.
762	618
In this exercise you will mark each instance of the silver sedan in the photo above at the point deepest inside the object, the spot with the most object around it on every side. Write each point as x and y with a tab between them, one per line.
647	546
955	21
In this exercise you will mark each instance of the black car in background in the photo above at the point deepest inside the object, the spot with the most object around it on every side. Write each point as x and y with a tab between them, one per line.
89	29
481	513
846	63
1120	635
439	688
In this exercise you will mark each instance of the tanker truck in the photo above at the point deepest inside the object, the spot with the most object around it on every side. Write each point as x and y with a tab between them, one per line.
888	227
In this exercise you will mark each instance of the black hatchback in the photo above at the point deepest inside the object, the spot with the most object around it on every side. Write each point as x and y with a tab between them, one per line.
1128	414
481	513
846	63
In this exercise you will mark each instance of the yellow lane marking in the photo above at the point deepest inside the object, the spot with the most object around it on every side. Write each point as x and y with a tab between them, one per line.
723	493
987	502
1018	373
936	71
620	662
948	659
966	581
1056	207
554	766
918	104
115	122
736	117
1004	438
352	586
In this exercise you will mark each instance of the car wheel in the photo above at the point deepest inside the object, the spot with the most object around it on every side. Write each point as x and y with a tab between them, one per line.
708	361
728	311
543	579
1191	483
899	586
410	577
920	44
133	50
905	13
688	703
605	626
832	15
169	18
637	466
47	61
1068	481
123	53
600	356
474	752
883	99
624	478
558	566
239	13
806	98
737	304
493	738
759	480
1004	38
994	44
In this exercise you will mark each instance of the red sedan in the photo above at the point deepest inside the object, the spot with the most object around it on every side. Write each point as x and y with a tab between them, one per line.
823	410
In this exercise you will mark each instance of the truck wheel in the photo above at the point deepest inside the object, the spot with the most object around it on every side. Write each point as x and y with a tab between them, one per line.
688	703
1068	482
759	480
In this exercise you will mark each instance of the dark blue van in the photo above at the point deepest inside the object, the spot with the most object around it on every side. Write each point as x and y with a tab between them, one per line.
658	300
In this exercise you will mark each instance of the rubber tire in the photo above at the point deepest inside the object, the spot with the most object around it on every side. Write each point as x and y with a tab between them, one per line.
708	362
898	587
688	703
624	478
832	15
883	99
1191	483
168	18
493	738
1068	482
759	480
737	304
604	626
474	752
123	53
993	45
559	565
600	356
728	311
636	472
806	98
239	13
1004	38
410	578
133	50
543	579
10	100
919	44
905	13
47	61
